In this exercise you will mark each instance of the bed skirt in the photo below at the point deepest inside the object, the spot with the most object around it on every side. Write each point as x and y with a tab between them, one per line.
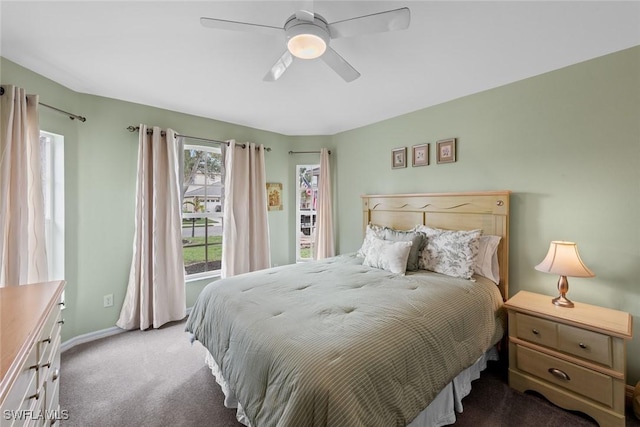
440	412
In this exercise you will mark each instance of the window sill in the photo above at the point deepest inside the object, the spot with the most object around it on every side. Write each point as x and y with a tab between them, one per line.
203	276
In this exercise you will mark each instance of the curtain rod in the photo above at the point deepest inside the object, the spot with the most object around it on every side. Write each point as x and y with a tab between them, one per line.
150	131
306	152
71	115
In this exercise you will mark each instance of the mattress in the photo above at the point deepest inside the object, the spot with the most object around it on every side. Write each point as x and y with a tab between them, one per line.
335	343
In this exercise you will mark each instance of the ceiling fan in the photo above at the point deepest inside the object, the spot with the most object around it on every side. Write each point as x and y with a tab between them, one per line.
308	35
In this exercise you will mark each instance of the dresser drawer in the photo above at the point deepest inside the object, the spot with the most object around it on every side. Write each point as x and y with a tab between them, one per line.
49	333
536	330
585	344
588	383
25	386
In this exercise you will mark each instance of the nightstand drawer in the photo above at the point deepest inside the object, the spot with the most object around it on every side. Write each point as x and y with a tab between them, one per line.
536	330
588	383
586	344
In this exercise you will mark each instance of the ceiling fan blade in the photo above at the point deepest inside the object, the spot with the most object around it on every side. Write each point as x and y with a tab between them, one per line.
221	24
279	67
339	65
391	20
306	13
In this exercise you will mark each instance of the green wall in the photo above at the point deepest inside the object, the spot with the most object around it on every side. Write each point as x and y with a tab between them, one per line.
100	176
566	143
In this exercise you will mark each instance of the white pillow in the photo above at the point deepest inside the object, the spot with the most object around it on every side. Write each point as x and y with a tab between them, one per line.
487	261
449	252
418	239
371	232
388	255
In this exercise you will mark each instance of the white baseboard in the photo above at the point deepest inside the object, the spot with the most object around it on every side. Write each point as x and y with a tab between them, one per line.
92	336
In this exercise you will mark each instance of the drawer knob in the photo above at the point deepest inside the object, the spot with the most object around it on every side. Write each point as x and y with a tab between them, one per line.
61	322
35	396
48	340
559	374
535	331
46	365
55	375
36	367
583	346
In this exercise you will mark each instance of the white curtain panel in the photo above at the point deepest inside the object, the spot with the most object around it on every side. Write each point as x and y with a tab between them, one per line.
156	289
325	246
23	257
245	241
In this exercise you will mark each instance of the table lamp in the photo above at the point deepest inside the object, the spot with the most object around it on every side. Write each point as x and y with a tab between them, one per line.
563	259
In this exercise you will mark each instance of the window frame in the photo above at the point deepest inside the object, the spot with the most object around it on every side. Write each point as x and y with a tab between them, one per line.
212	148
52	169
312	213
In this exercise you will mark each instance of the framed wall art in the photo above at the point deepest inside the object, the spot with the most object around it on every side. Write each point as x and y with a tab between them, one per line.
274	196
446	150
399	158
420	154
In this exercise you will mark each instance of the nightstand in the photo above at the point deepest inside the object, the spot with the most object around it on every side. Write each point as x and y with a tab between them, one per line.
575	357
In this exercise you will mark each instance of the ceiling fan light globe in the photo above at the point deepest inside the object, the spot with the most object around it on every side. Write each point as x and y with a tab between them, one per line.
307	40
306	46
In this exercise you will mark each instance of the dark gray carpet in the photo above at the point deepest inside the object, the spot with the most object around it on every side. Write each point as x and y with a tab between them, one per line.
157	378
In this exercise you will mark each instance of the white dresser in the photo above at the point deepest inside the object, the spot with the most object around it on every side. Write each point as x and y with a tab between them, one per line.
30	323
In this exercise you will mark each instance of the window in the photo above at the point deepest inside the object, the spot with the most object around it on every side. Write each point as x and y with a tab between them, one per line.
52	162
306	200
202	201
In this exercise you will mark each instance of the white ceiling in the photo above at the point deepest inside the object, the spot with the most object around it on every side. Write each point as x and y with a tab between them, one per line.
157	53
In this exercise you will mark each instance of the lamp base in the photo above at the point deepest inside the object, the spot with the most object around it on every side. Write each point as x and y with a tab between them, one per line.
561	301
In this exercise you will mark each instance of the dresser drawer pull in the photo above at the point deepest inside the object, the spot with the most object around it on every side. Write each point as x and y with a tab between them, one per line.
35	396
61	303
61	322
583	346
535	331
559	374
46	365
48	340
55	375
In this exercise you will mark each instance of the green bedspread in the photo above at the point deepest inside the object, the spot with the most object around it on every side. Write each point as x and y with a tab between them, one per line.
335	343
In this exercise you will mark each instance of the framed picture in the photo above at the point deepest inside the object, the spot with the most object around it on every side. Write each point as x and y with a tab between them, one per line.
274	196
399	158
446	151
420	155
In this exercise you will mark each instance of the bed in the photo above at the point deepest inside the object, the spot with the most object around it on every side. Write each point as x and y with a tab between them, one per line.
339	342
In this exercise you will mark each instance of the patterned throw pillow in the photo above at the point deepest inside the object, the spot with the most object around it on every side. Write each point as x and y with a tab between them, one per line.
453	253
388	255
372	231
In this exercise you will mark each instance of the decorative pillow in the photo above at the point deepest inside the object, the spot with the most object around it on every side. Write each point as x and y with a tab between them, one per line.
453	253
418	239
372	231
487	261
388	255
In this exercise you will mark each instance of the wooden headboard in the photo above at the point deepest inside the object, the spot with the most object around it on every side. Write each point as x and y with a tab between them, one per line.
488	211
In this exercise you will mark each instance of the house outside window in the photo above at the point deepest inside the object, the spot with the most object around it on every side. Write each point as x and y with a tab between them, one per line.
306	214
202	207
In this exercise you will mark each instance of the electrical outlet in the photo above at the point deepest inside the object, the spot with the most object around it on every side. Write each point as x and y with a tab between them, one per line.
108	300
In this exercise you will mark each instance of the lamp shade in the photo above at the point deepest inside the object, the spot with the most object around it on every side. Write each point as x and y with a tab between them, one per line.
563	259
